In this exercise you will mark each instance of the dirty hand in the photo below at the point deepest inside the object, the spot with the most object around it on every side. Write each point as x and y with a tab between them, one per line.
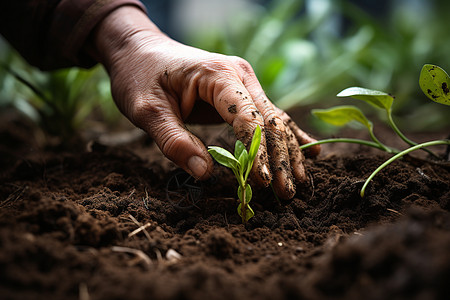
156	82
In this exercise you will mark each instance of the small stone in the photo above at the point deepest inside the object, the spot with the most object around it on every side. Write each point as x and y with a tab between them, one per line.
172	255
299	250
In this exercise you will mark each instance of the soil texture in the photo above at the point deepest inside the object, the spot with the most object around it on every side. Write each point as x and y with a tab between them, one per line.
121	222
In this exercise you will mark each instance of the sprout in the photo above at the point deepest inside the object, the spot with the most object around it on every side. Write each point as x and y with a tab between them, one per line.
240	163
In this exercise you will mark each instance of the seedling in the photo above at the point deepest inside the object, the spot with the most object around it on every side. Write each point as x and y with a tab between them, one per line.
434	82
240	163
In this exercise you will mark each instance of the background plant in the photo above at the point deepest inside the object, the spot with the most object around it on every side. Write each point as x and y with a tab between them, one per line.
433	81
241	164
59	101
304	51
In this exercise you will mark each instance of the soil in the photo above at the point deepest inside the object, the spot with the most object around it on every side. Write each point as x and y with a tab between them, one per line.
121	222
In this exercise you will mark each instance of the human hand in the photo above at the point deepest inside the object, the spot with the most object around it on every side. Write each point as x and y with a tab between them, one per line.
156	82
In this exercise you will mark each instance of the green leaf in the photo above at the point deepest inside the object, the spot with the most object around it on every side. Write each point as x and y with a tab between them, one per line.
435	84
254	146
248	210
243	160
238	148
341	115
249	213
248	193
376	98
223	157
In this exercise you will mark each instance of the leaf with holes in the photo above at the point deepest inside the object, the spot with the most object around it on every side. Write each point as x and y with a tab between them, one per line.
435	84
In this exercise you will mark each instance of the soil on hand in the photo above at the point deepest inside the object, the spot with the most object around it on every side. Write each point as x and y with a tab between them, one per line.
123	223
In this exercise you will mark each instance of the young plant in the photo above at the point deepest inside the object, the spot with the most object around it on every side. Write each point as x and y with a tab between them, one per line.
434	82
240	163
59	101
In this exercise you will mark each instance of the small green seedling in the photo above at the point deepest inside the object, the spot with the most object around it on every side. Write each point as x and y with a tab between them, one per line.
241	164
434	82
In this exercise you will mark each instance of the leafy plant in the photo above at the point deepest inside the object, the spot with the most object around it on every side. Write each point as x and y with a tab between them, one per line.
240	163
433	81
304	50
59	101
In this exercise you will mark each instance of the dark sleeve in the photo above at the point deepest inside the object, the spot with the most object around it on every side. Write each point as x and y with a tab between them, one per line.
50	34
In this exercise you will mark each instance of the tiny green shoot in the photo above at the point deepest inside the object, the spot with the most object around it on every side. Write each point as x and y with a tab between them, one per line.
240	163
433	81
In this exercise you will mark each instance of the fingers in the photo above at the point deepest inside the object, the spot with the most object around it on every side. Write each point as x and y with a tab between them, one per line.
286	158
278	147
283	181
162	122
296	156
235	105
301	136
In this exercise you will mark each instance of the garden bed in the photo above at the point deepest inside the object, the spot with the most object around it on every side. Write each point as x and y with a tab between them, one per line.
121	222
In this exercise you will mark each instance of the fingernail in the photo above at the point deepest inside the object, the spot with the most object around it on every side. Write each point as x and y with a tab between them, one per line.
197	166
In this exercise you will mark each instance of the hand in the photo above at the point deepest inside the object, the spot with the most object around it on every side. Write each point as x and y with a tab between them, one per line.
156	82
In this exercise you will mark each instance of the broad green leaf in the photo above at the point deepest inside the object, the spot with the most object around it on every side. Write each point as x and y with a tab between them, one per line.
248	210
254	146
243	161
238	148
376	98
249	213
248	193
223	157
341	115
435	83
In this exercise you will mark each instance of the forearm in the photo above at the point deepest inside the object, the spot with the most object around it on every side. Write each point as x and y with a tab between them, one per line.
52	34
120	32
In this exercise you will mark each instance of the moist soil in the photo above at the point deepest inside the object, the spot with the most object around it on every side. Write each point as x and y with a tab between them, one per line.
116	220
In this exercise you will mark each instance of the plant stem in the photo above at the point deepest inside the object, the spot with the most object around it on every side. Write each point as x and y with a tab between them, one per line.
399	133
398	155
243	205
383	147
402	136
353	141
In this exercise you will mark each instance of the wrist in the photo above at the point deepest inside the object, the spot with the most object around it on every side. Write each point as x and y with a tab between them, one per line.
121	31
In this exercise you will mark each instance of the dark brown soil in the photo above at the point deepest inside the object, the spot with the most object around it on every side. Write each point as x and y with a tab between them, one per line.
69	228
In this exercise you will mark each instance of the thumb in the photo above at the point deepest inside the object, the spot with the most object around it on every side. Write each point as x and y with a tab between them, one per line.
176	142
183	148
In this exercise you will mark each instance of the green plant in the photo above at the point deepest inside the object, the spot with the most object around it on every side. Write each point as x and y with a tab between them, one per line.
433	81
59	101
304	50
240	163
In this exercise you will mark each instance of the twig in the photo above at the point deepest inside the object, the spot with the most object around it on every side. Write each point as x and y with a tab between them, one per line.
394	211
141	228
145	200
311	180
83	292
131	193
158	255
226	220
139	253
16	195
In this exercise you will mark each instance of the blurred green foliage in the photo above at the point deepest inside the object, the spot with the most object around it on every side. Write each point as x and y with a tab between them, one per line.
304	52
59	101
